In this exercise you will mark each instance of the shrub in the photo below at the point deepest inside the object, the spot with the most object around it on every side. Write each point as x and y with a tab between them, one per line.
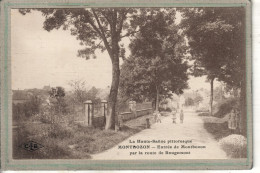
203	114
167	109
60	131
221	109
189	102
161	109
54	140
234	145
23	111
202	109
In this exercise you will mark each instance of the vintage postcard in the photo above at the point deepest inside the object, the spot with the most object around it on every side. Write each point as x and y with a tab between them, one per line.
126	84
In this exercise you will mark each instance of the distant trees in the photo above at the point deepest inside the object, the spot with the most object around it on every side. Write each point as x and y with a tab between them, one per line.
198	99
193	98
156	66
80	93
58	92
189	102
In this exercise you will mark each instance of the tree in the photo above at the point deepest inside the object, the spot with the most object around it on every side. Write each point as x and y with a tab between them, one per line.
189	102
58	93
79	91
215	37
96	28
198	99
156	66
92	95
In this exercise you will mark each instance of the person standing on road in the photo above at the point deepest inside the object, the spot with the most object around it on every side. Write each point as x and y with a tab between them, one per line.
157	116
238	123
181	116
232	121
174	116
154	116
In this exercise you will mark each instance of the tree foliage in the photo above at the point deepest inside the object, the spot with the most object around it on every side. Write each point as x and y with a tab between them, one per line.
216	40
198	99
78	91
156	63
57	92
189	102
59	105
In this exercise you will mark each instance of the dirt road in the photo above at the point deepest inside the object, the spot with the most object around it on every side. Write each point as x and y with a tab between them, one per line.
199	143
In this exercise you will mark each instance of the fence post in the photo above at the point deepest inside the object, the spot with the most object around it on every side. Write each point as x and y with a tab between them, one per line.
132	107
104	110
88	105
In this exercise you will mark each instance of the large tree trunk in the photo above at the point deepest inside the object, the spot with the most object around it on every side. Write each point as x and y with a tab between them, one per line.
111	118
157	99
211	95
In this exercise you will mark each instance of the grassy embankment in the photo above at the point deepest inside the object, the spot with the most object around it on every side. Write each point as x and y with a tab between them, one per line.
233	144
70	141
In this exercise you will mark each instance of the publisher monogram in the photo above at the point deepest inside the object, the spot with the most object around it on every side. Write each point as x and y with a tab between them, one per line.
31	146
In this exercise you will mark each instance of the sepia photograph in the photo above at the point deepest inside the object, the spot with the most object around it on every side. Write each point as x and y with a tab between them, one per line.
130	83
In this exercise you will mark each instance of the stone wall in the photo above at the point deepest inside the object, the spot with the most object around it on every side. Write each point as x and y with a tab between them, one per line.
135	110
125	116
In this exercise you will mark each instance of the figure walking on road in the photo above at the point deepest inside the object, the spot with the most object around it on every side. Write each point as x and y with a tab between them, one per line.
181	116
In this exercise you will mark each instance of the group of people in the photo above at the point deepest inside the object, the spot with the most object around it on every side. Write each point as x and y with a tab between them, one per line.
233	118
157	116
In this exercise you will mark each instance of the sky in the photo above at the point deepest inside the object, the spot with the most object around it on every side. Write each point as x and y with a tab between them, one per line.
40	58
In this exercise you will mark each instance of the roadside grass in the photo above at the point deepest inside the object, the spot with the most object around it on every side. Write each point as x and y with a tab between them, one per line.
218	130
202	114
140	122
71	141
217	124
233	144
